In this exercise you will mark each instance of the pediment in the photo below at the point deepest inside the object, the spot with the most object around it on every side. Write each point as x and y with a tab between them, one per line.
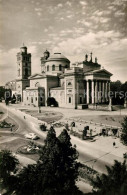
37	75
102	72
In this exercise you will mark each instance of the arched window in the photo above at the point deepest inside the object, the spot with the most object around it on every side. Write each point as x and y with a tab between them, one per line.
47	67
60	67
69	83
53	67
37	84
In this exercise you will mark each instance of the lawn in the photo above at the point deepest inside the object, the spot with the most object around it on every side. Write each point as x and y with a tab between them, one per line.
46	116
104	119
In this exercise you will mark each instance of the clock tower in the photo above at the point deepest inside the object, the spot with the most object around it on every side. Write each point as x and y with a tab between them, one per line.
23	70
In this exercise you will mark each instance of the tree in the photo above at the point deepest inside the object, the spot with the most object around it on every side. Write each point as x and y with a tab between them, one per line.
52	102
69	165
58	164
2	92
8	169
114	182
26	180
124	131
124	87
13	99
116	86
55	172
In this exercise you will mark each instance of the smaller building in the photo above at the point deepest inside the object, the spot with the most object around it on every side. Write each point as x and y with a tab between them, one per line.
34	96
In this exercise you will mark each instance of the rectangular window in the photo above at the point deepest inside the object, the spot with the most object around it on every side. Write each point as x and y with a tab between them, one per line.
36	98
31	99
27	98
80	100
69	100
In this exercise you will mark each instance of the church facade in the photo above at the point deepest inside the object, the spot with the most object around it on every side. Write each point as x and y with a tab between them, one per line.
72	86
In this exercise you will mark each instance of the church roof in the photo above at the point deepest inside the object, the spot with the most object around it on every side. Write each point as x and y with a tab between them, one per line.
101	71
57	56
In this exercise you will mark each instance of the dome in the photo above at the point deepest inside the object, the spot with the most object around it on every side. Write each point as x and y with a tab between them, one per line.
57	57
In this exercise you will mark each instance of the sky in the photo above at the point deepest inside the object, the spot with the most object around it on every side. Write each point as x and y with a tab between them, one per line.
71	27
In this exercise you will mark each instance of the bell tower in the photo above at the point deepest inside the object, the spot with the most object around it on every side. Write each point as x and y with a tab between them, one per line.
23	70
23	63
43	60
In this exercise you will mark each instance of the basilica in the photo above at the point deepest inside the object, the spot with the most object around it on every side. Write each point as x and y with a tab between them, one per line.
76	85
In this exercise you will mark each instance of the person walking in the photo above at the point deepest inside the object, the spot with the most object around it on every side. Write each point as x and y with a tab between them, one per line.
114	144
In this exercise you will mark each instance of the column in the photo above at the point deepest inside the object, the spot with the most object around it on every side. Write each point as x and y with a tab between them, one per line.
92	92
103	91
99	92
96	92
87	83
106	91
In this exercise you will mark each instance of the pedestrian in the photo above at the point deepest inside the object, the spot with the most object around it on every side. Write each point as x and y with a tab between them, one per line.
114	144
24	117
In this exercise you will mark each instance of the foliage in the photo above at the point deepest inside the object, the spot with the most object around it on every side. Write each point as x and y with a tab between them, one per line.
114	182
2	92
55	172
7	96
119	92
8	168
13	99
58	162
27	180
43	127
52	102
124	131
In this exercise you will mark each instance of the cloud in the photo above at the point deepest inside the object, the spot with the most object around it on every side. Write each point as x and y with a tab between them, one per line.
91	41
65	32
69	3
107	46
98	13
60	5
83	3
70	16
88	24
119	13
104	20
9	66
45	30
